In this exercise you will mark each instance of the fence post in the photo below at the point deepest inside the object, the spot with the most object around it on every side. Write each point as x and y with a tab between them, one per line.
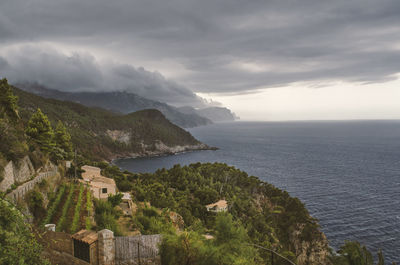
106	247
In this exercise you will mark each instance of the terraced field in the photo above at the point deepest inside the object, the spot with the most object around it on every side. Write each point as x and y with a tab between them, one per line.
71	208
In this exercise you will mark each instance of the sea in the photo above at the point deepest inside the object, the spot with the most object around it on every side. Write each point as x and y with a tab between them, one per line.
347	173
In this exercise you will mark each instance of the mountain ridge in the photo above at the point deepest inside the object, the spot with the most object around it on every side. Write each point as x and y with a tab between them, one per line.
121	102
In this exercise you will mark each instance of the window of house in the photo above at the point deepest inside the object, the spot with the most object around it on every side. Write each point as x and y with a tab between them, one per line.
104	190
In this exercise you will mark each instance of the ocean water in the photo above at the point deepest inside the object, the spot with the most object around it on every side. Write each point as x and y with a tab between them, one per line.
346	172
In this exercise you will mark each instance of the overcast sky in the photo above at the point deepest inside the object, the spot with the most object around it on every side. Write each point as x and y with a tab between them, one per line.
266	60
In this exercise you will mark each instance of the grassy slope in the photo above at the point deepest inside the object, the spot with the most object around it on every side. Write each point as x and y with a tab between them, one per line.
88	126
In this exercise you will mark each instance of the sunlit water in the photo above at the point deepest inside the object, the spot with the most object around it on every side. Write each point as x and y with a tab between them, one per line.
346	173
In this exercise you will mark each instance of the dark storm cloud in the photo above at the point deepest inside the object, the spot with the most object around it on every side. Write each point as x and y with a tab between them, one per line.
231	46
82	72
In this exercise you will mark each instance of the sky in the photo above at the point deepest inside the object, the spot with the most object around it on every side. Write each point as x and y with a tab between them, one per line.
264	59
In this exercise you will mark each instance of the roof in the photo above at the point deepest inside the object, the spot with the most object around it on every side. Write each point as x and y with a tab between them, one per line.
101	179
86	167
219	204
86	236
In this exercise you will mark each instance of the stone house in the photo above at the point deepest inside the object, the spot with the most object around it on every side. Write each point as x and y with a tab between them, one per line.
219	206
100	186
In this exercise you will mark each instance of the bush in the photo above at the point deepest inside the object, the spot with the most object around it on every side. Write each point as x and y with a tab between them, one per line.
18	244
35	203
115	199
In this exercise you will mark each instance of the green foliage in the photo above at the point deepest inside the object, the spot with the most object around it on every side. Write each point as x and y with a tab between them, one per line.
269	215
35	204
40	131
186	248
63	140
229	247
12	141
8	101
52	209
89	209
77	211
381	260
354	253
89	127
115	199
18	244
106	216
61	222
149	221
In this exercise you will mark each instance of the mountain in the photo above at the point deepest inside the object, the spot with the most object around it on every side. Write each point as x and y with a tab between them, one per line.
122	102
101	134
215	114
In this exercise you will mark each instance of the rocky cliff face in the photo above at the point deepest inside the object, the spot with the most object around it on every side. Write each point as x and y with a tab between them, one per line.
18	172
313	251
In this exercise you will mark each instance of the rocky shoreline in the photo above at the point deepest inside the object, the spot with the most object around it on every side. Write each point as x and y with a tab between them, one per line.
163	150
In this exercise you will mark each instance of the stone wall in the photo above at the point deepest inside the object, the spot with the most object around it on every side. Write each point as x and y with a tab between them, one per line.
18	172
20	192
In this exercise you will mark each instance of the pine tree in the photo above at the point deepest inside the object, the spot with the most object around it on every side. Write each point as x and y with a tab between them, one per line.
63	139
381	260
8	102
40	131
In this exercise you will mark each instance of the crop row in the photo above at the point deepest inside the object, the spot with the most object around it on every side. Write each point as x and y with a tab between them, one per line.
77	212
61	221
52	209
89	207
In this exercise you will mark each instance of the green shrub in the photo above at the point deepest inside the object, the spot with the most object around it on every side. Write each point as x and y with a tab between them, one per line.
35	203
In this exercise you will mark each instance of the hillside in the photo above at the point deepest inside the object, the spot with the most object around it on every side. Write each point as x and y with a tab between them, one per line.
121	102
101	134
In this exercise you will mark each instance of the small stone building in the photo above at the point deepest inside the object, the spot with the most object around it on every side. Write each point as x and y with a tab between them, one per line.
219	206
100	186
90	172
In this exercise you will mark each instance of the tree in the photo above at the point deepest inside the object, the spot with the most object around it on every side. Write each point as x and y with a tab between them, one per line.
8	102
355	253
182	249
40	131
381	260
18	244
63	140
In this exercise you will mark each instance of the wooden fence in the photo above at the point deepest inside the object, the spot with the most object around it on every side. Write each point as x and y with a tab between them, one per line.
130	249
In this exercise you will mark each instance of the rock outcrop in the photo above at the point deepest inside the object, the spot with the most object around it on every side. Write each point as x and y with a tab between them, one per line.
15	173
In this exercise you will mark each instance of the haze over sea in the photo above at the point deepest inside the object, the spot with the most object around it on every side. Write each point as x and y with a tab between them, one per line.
346	172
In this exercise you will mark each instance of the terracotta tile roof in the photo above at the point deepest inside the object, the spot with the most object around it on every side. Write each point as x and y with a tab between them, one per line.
86	236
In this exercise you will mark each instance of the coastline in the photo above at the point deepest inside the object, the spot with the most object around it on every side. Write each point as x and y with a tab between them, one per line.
165	151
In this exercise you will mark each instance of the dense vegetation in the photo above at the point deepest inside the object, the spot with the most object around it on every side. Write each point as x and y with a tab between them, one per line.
90	127
259	213
17	241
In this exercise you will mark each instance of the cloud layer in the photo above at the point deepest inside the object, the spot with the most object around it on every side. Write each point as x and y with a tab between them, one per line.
224	46
82	72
